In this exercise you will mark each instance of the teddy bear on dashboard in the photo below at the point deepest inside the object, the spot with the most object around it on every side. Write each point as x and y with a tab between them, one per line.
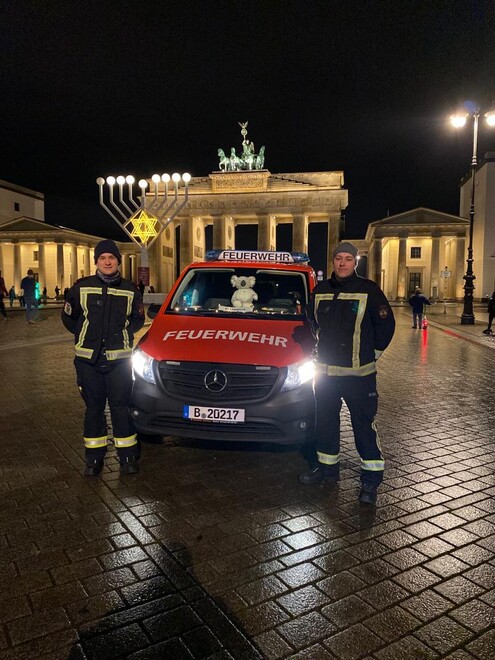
244	296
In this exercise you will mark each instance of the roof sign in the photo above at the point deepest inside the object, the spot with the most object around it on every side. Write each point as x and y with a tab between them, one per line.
267	256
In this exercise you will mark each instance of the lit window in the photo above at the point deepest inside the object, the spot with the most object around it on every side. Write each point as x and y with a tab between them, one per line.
415	253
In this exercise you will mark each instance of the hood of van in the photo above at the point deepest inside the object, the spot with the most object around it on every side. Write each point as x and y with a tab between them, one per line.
224	339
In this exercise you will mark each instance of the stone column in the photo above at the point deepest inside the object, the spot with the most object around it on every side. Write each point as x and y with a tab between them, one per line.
18	274
223	232
87	262
375	267
460	267
126	267
41	265
300	233
401	271
74	275
333	240
60	280
266	232
186	241
435	267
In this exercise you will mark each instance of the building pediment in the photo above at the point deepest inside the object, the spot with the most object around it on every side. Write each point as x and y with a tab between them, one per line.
29	225
420	216
416	222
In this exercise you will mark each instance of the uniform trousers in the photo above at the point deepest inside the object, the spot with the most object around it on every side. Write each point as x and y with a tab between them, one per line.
361	397
98	383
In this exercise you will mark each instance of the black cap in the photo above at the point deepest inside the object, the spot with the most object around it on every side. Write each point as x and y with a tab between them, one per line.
107	246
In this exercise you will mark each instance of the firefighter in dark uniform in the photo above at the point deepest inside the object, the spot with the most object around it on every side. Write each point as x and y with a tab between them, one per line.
353	324
104	311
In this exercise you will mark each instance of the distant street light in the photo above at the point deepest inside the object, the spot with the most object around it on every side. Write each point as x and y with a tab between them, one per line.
458	121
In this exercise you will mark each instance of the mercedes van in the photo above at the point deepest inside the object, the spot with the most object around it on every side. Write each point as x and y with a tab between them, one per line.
210	367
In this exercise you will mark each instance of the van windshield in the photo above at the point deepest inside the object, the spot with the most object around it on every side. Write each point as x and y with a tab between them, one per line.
217	291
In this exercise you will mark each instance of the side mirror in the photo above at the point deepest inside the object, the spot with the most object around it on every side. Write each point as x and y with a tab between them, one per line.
153	310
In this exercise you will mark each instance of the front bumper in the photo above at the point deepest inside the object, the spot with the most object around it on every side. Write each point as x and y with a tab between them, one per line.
283	418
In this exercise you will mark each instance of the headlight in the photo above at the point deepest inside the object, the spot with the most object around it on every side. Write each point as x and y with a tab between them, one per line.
142	366
298	374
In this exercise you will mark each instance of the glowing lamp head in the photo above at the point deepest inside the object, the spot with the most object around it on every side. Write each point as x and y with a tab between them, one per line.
100	181
459	120
176	177
143	184
186	177
121	180
111	180
490	118
165	178
156	178
130	179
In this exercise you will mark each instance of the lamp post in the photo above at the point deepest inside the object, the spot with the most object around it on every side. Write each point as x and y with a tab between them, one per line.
458	121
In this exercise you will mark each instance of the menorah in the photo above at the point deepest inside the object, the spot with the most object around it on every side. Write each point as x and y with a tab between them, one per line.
144	221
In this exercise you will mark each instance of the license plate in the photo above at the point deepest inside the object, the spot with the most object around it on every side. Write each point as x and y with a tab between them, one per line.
203	414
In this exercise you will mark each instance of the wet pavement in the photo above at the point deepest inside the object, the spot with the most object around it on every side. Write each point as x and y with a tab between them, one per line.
216	551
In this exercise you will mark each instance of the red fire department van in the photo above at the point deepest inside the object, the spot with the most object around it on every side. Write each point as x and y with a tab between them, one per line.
229	354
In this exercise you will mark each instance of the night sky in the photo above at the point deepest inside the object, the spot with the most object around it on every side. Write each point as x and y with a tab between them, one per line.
98	88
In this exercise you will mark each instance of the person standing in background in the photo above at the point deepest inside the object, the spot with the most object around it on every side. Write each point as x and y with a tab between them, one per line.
491	315
28	290
12	295
3	290
418	302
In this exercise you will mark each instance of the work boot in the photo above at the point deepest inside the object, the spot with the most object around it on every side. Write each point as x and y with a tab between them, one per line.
318	473
368	493
129	465
93	468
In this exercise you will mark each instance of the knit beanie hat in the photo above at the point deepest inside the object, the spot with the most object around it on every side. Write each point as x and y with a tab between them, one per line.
105	246
345	247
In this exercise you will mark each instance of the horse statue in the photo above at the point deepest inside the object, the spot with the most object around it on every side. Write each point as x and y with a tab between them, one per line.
248	155
235	161
260	159
224	161
248	160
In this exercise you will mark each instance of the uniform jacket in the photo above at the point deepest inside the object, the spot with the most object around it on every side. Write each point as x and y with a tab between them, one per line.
103	317
417	302
352	322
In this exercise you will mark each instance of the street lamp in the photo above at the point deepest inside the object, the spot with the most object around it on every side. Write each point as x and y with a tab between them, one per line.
458	121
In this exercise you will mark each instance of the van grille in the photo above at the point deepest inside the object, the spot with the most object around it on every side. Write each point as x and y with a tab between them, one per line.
251	431
244	381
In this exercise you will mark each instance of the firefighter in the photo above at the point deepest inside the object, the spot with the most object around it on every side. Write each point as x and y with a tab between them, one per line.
353	324
103	311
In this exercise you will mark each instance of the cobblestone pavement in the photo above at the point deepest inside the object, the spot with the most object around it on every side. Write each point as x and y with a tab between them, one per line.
216	551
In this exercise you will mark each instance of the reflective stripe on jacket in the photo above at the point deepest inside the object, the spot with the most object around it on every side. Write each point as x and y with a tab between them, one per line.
353	323
103	317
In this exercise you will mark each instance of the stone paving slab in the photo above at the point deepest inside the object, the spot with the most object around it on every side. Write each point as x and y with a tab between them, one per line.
215	550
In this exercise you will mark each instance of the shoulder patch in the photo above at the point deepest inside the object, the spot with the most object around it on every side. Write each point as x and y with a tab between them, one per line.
383	311
68	309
